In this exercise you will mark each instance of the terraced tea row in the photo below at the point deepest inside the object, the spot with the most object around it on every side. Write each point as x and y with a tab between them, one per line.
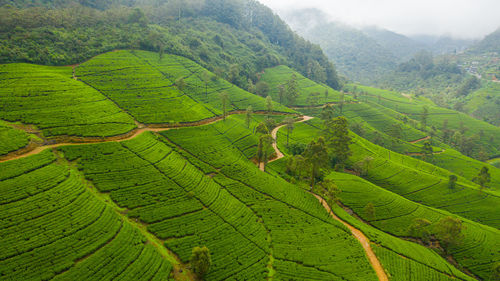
52	227
50	99
183	206
11	139
478	252
419	261
168	90
280	76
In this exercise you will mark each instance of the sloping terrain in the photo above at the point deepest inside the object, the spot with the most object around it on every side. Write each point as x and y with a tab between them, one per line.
57	104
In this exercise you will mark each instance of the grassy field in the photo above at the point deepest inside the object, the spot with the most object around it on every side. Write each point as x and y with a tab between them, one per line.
11	139
280	75
53	227
144	86
50	99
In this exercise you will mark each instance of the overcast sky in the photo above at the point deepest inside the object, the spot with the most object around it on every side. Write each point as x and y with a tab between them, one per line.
459	18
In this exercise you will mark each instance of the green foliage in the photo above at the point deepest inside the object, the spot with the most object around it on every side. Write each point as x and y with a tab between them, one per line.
452	181
337	137
448	231
316	155
483	177
420	228
248	36
200	261
369	211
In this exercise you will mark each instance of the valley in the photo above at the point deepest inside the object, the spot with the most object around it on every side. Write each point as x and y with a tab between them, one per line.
205	140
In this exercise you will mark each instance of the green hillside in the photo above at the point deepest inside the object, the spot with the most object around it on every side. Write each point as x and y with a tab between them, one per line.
481	132
281	75
55	227
12	138
199	140
403	188
144	85
57	104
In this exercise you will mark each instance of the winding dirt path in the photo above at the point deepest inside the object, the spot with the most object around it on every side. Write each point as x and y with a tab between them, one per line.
422	139
141	128
274	134
363	240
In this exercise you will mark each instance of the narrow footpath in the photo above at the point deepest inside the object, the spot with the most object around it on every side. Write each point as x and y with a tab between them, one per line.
363	240
141	128
274	134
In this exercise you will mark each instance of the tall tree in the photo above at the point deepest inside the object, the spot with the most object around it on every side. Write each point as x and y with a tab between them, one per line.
336	134
224	97
292	90
180	84
427	151
420	228
281	92
234	73
341	102
369	211
269	106
289	124
424	116
200	261
248	115
313	98
316	154
483	177
262	88
452	181
205	76
327	112
251	86
264	148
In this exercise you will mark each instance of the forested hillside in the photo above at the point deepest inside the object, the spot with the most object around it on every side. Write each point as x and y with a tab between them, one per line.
234	38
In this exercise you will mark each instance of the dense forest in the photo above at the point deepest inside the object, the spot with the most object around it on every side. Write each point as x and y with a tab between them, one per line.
234	38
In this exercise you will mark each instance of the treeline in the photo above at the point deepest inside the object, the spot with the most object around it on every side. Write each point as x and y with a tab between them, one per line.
219	34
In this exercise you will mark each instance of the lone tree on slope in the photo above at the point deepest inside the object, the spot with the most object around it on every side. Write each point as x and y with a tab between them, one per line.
200	261
483	177
337	137
289	125
452	181
248	115
316	154
292	90
224	97
269	105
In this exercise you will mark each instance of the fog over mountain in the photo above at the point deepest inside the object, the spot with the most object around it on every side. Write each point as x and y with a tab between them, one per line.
467	19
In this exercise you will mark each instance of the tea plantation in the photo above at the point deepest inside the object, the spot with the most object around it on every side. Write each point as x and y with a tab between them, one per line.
116	168
145	86
53	227
11	138
50	99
